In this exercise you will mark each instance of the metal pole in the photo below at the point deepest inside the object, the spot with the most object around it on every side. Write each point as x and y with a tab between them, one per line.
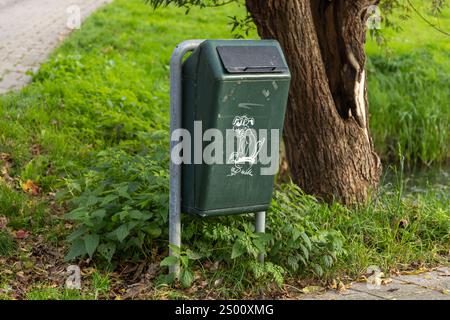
175	123
260	226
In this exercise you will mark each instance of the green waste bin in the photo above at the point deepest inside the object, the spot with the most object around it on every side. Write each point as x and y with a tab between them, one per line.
240	88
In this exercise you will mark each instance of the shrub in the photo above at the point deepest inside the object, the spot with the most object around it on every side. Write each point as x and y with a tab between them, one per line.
292	243
121	209
121	206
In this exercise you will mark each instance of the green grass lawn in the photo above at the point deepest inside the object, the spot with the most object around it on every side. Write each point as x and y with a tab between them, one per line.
416	33
409	90
96	117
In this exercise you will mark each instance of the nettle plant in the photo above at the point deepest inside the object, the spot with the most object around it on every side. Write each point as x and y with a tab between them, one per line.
121	211
121	206
298	243
292	243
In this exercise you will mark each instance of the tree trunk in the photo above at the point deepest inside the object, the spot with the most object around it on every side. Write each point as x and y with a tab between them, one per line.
326	133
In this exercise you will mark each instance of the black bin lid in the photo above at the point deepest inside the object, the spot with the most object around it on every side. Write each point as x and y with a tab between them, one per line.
251	59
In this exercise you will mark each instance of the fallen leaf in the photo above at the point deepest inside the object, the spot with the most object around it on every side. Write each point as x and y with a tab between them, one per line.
30	187
403	224
133	292
312	289
334	284
21	234
152	270
6	157
218	282
215	266
139	271
68	226
341	287
88	271
36	149
415	272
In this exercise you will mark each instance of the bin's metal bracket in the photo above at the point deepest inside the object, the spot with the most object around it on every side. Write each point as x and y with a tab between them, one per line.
176	62
260	226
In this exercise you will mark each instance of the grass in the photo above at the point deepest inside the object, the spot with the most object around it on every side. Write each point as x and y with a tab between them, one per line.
409	99
100	284
23	211
41	292
7	245
393	232
97	287
409	90
106	88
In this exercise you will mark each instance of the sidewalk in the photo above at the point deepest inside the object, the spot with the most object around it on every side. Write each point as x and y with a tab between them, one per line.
434	285
29	31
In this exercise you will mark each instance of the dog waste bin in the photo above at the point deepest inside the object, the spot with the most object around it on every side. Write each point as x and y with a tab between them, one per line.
234	95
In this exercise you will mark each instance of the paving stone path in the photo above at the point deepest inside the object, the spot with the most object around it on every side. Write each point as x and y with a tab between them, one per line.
434	285
30	30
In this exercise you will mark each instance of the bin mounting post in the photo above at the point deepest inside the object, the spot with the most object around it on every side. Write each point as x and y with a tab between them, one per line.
260	226
176	71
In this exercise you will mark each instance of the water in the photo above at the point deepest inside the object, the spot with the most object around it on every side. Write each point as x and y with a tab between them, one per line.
420	181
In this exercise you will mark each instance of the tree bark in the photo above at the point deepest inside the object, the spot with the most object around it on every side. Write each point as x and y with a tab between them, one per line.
328	144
